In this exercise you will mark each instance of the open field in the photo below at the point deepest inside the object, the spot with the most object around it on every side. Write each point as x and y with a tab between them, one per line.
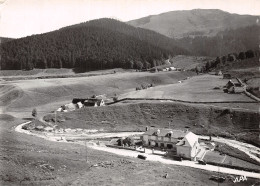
196	89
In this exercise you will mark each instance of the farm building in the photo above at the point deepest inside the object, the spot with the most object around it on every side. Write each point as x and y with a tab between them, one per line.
188	147
232	87
79	105
227	76
164	138
95	102
76	100
171	69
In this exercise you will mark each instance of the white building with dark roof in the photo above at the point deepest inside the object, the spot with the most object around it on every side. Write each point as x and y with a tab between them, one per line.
160	137
186	143
188	147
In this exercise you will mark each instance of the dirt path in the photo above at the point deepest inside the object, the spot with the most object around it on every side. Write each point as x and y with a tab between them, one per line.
150	156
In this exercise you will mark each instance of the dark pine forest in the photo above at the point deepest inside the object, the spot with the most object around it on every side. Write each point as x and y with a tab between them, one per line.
98	44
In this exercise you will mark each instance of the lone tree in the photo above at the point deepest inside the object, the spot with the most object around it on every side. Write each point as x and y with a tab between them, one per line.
34	112
115	98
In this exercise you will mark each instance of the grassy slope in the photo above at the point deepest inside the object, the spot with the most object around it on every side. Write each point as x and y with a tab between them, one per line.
52	73
22	157
198	88
8	93
39	92
189	62
200	119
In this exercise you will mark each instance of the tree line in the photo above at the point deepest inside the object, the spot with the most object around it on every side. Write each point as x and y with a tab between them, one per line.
223	61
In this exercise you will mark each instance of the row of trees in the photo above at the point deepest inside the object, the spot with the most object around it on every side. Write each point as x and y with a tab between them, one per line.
224	60
87	47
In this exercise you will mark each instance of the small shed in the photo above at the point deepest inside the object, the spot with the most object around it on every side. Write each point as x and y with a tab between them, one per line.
80	105
173	69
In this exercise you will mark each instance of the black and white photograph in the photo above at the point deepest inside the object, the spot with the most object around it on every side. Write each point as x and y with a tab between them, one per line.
129	92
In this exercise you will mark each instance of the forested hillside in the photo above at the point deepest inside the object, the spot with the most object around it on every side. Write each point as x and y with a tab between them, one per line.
225	42
5	39
98	44
149	36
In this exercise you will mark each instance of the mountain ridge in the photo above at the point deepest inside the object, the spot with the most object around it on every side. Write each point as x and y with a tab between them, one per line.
196	22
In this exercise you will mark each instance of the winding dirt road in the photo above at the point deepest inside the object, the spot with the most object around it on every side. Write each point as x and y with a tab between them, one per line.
153	157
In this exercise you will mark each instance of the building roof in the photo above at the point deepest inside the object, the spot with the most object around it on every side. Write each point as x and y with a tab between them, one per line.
164	132
189	140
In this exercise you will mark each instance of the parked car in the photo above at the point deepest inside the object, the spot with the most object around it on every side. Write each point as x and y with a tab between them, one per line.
140	156
177	158
202	162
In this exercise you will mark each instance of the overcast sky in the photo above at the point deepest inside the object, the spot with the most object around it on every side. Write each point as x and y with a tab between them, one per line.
20	18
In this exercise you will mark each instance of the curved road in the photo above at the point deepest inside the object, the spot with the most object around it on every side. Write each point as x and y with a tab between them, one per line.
153	157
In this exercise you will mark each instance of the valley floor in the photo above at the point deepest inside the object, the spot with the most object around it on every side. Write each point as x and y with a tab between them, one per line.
26	159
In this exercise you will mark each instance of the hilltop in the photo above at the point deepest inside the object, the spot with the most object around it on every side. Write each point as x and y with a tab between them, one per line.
197	22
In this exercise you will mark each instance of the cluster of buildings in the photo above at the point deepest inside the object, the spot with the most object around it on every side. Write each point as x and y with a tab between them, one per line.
78	103
234	87
185	143
164	68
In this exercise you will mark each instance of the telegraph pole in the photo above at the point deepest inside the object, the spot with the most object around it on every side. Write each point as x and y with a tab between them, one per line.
86	150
